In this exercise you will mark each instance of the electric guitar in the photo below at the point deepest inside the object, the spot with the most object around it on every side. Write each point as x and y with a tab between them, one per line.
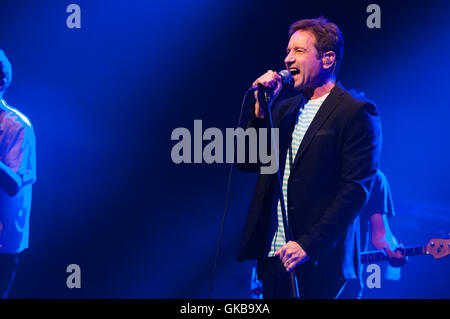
438	248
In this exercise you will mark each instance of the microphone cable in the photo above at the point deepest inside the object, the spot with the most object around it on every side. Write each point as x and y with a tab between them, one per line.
211	287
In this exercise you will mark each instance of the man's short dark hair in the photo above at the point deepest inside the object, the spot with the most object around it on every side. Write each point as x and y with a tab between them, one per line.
5	72
327	34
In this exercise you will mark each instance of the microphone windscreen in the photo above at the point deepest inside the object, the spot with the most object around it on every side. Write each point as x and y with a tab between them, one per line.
286	78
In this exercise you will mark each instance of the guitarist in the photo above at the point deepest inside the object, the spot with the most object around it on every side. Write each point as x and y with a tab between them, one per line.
375	230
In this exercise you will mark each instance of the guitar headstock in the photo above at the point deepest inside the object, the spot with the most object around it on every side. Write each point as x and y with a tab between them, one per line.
438	248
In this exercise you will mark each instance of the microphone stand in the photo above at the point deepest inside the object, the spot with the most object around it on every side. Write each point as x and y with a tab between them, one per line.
264	96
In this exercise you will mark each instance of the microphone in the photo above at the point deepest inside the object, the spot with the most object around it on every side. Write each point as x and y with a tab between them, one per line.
286	80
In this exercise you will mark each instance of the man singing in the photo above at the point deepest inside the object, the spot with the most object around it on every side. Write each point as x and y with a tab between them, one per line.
329	148
17	174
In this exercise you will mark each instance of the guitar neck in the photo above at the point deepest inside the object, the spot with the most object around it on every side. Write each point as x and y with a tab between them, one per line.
378	255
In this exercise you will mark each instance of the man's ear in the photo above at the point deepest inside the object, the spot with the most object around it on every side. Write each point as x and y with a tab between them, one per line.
328	59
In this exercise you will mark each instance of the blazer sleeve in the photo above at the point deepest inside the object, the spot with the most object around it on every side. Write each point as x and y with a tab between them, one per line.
266	158
360	152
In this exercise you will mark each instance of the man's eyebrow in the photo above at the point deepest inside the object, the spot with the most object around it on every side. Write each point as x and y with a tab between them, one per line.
295	48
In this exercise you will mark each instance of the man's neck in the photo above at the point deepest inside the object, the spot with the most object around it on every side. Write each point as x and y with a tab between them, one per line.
319	91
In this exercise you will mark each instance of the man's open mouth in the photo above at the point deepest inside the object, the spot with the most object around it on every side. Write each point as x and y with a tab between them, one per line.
294	71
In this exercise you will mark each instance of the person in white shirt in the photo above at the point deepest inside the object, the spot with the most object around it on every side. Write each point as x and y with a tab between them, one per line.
17	174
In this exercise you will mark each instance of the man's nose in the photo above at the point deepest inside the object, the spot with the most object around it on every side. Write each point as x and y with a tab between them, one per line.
289	59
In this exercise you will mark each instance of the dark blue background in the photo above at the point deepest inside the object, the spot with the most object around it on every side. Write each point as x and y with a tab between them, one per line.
104	100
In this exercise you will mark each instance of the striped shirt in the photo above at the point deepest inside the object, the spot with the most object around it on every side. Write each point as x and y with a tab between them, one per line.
305	116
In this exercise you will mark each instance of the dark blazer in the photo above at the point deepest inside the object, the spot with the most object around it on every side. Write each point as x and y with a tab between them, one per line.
330	181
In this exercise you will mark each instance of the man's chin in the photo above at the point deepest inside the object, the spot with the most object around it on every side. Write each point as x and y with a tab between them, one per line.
298	87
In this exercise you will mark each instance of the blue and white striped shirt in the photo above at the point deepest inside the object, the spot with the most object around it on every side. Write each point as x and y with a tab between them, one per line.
305	116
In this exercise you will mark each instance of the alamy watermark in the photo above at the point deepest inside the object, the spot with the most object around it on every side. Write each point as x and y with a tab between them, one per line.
374	279
373	21
73	20
74	279
252	144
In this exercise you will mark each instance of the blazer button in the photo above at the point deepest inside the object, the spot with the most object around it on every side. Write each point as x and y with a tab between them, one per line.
291	207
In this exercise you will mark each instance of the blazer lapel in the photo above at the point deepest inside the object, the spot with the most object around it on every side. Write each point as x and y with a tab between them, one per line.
286	126
323	113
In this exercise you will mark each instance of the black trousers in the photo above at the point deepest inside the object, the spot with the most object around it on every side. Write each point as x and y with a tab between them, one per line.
8	267
277	283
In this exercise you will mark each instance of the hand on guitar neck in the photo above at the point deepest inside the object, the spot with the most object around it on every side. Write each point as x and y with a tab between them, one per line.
396	258
384	240
436	247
